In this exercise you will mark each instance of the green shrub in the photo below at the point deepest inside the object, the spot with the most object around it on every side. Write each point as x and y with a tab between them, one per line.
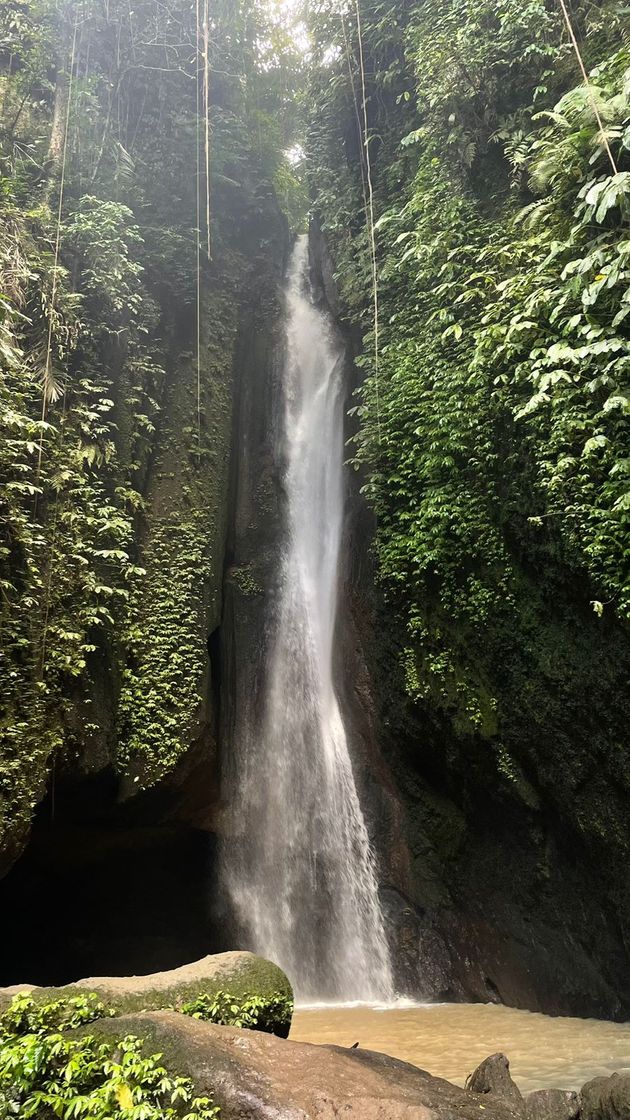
45	1074
25	1016
259	1013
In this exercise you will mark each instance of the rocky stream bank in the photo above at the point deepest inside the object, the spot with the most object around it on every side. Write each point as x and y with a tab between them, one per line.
258	1074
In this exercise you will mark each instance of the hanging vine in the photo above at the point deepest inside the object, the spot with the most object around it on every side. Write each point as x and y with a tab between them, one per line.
371	217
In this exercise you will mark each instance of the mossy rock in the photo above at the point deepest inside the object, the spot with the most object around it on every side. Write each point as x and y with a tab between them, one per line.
254	1076
240	974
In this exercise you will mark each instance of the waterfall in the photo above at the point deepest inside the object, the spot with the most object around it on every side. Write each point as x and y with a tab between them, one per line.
299	869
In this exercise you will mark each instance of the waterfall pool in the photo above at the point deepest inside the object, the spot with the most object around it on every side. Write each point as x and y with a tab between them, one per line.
449	1040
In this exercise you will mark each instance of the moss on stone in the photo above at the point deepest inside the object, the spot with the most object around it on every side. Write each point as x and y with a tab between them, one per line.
242	974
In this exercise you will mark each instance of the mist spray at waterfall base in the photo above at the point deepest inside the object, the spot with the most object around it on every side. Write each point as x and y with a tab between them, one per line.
298	867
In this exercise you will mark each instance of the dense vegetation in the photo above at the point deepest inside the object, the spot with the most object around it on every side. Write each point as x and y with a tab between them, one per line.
115	418
47	1070
492	420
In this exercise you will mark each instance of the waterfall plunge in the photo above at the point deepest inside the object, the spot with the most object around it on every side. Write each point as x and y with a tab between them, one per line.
299	869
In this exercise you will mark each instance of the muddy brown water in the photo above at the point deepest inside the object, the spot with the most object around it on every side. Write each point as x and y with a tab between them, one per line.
449	1040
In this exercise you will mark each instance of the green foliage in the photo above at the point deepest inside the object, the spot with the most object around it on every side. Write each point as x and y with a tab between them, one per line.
509	365
291	190
166	652
106	239
52	1076
470	84
492	441
244	578
67	523
271	1014
26	1017
555	336
45	1074
97	387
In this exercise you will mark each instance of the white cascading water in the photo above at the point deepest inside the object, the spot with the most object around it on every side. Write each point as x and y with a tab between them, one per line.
300	871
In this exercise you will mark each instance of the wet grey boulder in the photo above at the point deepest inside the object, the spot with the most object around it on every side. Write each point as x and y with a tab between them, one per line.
255	1076
551	1104
606	1098
493	1077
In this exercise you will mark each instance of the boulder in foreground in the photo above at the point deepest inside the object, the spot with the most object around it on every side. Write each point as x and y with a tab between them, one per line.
493	1079
606	1098
493	1076
552	1104
256	1076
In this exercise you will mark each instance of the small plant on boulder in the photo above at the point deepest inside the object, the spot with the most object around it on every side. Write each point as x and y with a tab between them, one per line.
271	1014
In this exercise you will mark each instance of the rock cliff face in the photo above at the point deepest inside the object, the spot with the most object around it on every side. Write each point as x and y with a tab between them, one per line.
502	898
138	862
492	889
